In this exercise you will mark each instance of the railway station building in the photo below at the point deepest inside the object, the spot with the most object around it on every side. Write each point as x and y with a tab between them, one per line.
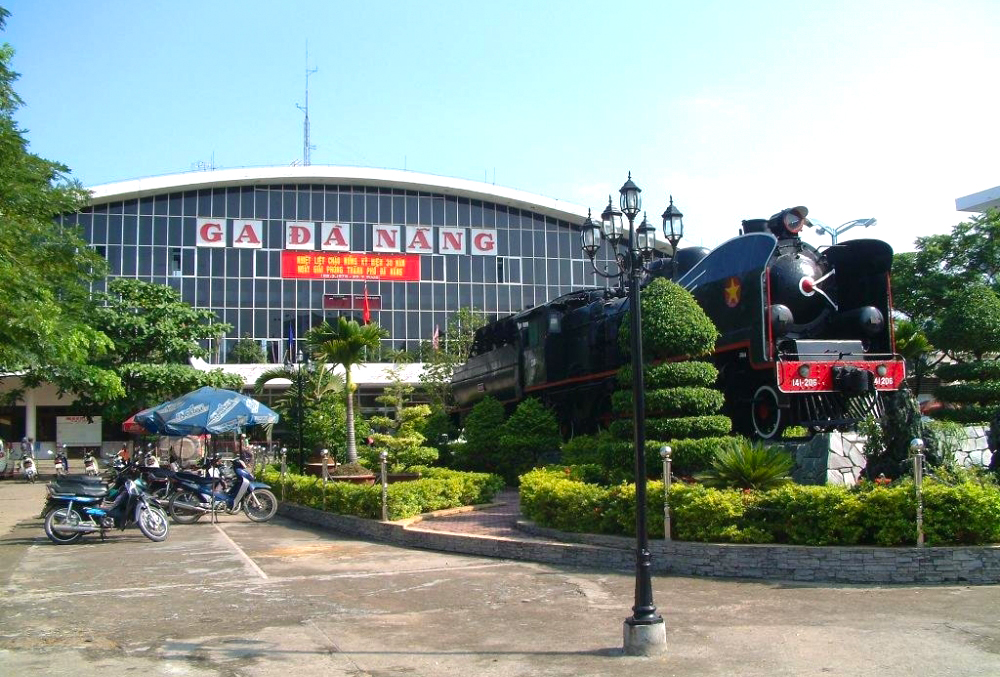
273	251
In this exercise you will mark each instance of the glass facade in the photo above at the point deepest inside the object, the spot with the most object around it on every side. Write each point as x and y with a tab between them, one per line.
153	238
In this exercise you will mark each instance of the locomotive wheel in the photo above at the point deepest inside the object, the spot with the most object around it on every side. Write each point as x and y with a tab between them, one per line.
765	414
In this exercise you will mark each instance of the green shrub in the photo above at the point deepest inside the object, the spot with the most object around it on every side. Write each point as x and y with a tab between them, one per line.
438	488
961	393
690	456
969	371
554	501
688	426
888	514
699	513
749	465
681	401
673	324
673	375
967	513
583	449
967	414
529	434
482	436
813	515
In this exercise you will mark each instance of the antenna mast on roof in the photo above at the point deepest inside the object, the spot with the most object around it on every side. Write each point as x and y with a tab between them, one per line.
305	109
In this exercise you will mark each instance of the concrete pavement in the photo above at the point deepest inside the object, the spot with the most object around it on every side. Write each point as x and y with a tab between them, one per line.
279	598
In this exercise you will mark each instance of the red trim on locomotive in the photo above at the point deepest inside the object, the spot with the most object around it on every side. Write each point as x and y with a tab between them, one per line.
819	375
577	379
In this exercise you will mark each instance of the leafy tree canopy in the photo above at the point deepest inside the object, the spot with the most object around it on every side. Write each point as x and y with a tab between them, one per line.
451	351
947	264
154	334
45	268
970	323
246	351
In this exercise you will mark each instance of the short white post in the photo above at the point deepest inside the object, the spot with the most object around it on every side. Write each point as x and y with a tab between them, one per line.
917	449
326	473
382	455
665	455
284	470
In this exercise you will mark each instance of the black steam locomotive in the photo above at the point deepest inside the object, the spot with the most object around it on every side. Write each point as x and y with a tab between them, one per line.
805	335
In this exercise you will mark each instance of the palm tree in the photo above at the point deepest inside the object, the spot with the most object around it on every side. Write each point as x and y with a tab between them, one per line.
318	381
345	344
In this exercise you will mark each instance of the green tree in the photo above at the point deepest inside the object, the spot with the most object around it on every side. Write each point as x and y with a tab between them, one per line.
682	403
969	323
246	351
530	433
399	435
155	334
945	265
451	351
323	413
482	429
913	345
345	344
46	268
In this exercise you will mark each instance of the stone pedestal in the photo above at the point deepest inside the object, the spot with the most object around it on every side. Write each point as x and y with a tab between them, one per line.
645	639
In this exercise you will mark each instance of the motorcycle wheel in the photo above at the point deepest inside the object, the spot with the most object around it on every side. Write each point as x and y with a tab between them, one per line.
152	522
183	515
62	516
260	505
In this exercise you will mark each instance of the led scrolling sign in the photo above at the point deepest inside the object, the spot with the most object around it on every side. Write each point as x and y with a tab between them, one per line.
324	252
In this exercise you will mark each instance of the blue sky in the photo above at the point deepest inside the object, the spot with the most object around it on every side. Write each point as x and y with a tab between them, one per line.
882	109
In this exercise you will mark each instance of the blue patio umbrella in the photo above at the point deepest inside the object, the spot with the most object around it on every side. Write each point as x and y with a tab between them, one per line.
204	411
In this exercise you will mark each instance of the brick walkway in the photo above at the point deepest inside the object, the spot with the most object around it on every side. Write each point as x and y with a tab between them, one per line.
497	520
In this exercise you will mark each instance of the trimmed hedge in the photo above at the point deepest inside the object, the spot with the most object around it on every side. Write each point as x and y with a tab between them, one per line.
967	371
438	488
967	513
672	375
968	414
672	428
960	393
680	401
673	323
688	456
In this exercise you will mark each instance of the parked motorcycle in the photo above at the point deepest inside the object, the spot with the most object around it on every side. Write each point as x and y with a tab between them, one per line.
61	462
196	496
90	464
78	506
28	469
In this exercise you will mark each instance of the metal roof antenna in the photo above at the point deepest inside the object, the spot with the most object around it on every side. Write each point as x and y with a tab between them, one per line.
306	147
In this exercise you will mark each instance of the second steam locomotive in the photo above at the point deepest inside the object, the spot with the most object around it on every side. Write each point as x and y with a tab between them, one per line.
805	335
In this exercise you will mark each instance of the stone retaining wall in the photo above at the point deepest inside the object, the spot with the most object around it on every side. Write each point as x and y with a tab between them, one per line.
838	458
978	565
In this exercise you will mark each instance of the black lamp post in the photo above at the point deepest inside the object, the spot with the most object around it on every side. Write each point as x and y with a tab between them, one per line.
299	388
644	632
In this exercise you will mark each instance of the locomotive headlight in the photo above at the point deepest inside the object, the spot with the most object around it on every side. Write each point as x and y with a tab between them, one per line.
781	319
870	320
794	222
882	370
804	370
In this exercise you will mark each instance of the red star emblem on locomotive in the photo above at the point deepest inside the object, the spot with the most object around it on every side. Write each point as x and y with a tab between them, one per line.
732	292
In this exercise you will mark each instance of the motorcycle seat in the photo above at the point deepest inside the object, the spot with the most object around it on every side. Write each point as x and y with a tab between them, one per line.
71	488
82	479
159	473
185	476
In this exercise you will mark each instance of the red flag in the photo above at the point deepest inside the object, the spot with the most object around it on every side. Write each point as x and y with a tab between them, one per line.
366	311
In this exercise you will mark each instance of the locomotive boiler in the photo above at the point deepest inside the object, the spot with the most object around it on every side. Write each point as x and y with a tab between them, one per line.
805	335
